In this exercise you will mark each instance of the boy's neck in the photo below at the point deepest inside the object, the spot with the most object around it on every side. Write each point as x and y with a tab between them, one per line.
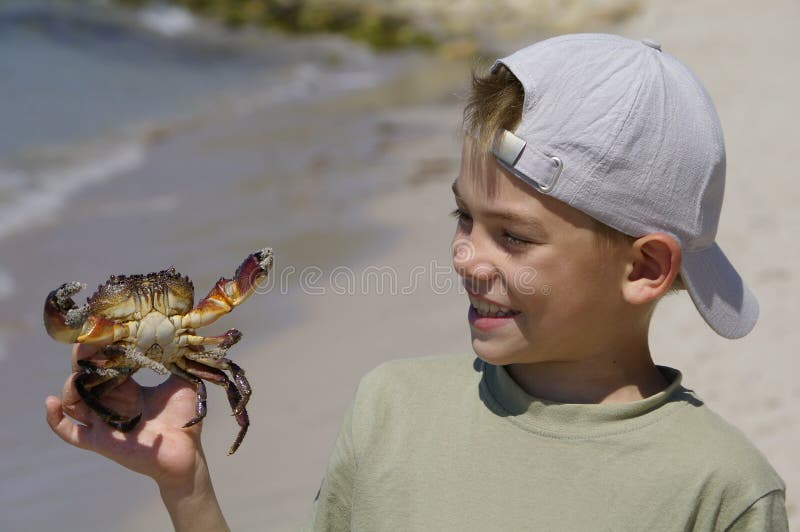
619	379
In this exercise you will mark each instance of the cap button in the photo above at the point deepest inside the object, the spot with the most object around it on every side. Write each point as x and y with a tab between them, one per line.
652	43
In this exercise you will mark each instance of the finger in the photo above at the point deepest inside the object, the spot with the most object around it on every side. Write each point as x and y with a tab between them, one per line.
64	428
72	404
83	352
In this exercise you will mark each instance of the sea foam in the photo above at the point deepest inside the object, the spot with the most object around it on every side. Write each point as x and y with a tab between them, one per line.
37	195
169	21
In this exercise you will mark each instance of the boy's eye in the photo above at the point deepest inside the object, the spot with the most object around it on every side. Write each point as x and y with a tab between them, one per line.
509	238
460	215
514	240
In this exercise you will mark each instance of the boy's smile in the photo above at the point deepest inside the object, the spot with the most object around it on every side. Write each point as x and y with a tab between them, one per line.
485	314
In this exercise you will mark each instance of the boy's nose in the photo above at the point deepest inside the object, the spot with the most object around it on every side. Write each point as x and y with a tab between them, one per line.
470	263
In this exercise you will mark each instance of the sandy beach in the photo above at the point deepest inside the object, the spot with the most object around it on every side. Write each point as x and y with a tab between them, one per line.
386	290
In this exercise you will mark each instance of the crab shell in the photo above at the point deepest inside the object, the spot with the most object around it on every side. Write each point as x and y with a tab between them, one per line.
131	297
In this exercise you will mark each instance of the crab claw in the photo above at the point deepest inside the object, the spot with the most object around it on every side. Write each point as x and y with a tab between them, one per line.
63	319
229	293
252	271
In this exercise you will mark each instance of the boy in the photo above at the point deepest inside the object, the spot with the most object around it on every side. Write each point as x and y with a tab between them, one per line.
591	185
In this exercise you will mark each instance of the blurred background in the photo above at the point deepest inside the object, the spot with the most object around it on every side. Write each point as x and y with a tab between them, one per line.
136	135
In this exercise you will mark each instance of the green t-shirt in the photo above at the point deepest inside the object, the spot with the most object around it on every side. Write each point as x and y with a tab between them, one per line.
452	443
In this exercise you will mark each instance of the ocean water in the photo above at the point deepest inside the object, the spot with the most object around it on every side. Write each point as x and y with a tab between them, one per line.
85	88
131	140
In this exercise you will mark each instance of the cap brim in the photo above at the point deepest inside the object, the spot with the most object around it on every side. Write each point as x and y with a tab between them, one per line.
718	292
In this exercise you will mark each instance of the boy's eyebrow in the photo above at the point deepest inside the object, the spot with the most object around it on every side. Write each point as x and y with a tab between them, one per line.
531	224
508	216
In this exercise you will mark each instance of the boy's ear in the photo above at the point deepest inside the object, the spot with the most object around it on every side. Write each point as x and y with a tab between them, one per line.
654	264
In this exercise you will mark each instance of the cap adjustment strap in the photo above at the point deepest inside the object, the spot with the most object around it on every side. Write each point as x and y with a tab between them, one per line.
525	162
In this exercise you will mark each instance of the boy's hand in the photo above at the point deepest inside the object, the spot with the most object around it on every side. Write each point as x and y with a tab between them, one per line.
158	446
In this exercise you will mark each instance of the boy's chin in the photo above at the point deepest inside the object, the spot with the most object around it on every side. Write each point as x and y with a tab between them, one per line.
494	353
506	351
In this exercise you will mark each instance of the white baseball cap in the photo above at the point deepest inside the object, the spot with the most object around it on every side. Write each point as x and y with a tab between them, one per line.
627	134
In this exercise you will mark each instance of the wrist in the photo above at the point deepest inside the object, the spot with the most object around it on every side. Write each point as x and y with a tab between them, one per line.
191	502
190	481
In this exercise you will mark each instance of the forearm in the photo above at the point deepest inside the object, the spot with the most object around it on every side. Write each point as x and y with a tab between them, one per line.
193	505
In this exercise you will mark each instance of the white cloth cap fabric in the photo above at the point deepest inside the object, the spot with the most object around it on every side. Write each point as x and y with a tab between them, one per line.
627	134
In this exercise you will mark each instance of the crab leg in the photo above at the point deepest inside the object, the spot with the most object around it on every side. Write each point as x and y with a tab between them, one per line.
200	397
228	293
234	398
222	363
242	384
93	382
216	376
224	341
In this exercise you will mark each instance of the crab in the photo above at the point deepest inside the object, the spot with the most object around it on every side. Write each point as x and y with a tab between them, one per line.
149	321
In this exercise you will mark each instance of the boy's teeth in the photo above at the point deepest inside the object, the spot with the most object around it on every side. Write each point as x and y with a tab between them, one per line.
485	308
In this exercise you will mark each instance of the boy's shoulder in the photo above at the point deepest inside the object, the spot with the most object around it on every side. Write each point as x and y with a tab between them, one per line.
705	440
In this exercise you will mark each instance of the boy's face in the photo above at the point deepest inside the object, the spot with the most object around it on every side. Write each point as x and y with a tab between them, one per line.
558	288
